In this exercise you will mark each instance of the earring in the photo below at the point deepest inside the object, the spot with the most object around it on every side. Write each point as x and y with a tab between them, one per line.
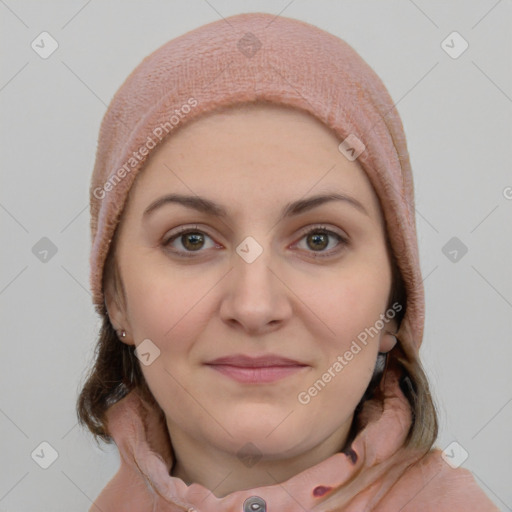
386	363
121	333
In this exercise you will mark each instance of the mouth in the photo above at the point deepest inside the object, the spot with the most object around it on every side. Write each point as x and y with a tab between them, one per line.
256	370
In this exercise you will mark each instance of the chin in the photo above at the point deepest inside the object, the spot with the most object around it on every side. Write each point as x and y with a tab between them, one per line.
273	433
272	447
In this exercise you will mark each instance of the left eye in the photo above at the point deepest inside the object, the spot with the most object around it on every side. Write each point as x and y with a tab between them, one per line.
192	241
318	239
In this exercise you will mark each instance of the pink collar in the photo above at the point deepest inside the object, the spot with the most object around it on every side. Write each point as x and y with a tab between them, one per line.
375	470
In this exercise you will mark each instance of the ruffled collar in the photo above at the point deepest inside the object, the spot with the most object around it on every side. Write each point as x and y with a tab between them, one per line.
362	473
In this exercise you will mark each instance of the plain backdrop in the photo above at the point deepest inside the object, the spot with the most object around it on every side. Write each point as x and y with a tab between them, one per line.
457	115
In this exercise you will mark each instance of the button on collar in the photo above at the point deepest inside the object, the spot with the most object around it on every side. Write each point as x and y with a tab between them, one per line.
255	504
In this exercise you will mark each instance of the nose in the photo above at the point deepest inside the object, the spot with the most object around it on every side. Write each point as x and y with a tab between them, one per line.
256	298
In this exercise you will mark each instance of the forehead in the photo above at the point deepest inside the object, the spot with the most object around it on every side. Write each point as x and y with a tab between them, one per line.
262	150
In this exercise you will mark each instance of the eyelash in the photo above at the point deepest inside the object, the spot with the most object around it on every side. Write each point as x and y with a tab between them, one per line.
315	229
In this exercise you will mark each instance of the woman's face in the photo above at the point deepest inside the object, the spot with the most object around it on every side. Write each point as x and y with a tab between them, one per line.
256	313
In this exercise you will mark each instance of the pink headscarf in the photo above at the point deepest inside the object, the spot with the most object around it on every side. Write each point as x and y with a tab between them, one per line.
246	58
252	57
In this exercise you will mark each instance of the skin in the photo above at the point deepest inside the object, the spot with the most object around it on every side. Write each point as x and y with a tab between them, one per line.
289	301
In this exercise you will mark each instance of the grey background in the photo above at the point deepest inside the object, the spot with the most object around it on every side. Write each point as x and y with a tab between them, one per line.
457	115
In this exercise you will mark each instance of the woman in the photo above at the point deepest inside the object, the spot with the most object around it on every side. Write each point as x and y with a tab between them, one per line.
255	264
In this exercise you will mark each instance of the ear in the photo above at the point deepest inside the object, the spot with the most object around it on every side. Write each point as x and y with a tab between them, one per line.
116	311
387	338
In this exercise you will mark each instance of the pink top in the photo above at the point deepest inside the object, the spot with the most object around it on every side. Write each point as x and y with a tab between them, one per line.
375	473
247	58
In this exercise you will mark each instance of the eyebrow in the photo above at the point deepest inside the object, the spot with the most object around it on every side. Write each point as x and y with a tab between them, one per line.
209	207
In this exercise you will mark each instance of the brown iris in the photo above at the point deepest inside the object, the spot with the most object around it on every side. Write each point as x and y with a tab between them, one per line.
319	239
192	241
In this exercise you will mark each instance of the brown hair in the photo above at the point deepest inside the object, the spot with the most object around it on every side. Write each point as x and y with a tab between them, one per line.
413	381
116	371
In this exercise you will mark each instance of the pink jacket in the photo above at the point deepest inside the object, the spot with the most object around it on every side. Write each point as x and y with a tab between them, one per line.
375	474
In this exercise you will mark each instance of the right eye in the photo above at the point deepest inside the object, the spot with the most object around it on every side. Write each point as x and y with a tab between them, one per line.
187	241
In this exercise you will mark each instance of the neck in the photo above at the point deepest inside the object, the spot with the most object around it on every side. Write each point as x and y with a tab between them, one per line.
224	472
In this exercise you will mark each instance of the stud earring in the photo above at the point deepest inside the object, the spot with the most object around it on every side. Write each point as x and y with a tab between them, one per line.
121	333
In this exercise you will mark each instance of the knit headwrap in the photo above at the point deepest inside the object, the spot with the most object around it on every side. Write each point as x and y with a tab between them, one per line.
248	58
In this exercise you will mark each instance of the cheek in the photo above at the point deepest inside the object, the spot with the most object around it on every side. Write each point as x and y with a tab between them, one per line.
350	302
350	308
166	308
171	311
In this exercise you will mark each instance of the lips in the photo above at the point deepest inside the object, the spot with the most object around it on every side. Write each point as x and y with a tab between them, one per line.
254	370
243	361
